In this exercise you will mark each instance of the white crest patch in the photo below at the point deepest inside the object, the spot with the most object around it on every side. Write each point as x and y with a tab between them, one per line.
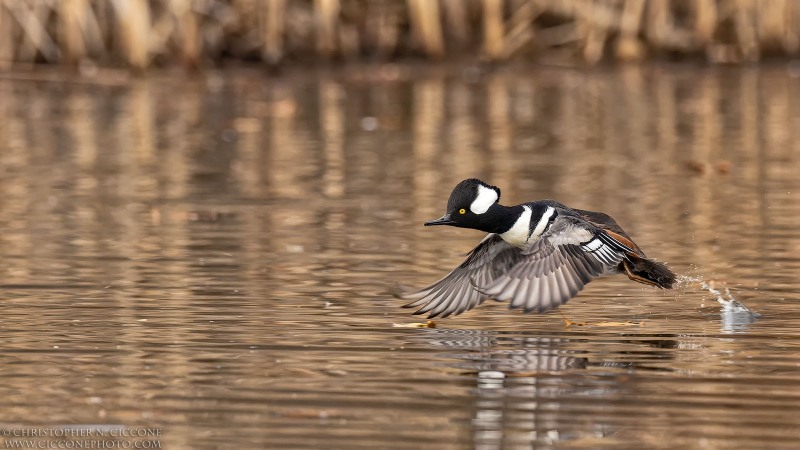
486	198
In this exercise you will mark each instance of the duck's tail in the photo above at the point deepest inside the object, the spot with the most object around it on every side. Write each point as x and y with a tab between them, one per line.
647	271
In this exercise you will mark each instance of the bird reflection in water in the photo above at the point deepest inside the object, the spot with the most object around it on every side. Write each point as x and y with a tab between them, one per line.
528	388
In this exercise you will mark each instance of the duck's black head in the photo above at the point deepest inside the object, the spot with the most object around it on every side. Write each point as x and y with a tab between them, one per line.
474	204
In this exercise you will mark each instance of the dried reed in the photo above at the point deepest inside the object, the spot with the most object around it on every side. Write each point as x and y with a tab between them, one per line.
141	33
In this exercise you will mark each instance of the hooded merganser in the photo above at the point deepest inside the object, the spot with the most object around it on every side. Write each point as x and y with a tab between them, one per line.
537	255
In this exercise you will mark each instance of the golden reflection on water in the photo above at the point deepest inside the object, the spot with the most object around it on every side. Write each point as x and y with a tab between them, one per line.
214	256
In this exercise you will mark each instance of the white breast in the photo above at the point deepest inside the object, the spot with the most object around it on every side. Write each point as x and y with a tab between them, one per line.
518	234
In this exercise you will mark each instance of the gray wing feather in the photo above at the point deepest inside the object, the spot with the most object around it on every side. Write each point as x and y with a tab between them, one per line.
456	292
547	278
556	267
541	277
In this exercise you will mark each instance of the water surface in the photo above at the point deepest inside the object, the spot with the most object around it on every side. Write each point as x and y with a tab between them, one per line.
215	257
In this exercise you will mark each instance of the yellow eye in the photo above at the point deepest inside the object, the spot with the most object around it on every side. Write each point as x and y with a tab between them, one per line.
462	211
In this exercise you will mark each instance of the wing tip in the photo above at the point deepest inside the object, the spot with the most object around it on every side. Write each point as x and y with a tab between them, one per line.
403	291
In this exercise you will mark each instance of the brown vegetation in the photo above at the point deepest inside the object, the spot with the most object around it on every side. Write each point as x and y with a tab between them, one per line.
142	33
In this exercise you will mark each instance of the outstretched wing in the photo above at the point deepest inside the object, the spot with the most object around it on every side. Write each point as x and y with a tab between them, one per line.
456	292
556	267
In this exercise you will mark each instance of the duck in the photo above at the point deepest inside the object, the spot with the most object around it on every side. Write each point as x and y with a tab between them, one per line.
536	256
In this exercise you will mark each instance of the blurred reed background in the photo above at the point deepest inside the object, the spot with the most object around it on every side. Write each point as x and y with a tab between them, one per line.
142	33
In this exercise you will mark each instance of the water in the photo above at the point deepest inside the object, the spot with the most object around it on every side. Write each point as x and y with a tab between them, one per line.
214	257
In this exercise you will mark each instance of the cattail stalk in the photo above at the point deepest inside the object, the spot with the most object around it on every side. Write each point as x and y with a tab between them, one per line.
143	32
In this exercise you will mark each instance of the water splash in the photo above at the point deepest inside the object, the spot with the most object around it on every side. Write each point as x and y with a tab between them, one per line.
735	316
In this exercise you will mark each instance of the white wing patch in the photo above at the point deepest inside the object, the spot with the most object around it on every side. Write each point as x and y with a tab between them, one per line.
593	245
485	199
602	252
